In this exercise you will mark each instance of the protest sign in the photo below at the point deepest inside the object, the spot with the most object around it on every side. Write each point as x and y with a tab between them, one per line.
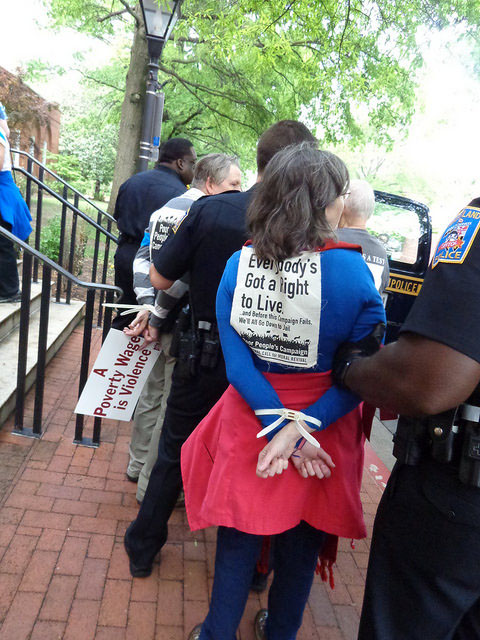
277	305
117	378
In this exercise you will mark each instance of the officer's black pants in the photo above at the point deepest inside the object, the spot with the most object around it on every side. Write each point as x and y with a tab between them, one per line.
123	262
423	580
188	403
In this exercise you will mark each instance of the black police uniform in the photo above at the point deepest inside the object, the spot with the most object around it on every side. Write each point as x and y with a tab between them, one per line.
423	579
210	233
137	199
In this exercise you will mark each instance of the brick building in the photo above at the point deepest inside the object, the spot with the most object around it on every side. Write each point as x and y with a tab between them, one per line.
34	122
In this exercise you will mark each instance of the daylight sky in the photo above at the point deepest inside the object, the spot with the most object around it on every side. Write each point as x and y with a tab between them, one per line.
25	36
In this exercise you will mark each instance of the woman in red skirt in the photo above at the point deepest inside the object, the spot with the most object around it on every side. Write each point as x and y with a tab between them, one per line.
281	453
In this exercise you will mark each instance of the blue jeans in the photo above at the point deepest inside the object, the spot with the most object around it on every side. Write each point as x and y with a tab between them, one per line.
295	554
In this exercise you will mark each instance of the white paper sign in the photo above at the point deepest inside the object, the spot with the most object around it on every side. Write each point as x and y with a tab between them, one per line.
277	305
118	376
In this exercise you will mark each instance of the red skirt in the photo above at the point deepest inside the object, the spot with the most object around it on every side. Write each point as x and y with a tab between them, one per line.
220	457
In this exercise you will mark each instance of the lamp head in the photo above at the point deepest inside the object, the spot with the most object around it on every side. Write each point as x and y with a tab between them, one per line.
160	17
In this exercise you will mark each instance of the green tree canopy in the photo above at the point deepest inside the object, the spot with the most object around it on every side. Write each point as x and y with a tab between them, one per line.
345	67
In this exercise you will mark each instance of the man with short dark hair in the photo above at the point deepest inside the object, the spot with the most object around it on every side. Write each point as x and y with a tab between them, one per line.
280	135
214	228
137	199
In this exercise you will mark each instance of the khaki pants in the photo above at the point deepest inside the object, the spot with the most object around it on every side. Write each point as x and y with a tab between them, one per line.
148	418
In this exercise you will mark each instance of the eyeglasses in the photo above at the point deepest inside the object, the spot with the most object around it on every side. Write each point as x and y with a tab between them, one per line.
345	195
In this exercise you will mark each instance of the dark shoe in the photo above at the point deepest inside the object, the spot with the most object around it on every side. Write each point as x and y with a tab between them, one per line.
259	582
260	624
15	298
136	570
195	632
132	478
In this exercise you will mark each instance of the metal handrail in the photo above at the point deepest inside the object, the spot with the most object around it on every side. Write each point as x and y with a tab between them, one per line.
106	289
64	182
71	206
52	264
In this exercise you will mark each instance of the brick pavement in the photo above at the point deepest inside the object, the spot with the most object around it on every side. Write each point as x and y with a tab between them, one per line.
63	512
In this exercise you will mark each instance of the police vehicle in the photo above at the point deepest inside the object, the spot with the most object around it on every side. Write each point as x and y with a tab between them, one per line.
405	229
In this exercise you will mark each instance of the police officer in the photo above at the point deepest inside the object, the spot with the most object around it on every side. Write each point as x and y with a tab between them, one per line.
213	230
214	173
137	199
423	579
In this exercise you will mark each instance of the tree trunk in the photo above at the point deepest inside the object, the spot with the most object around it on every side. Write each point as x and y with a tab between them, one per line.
132	110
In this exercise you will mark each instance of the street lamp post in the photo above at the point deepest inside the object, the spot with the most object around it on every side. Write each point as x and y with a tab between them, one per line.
160	17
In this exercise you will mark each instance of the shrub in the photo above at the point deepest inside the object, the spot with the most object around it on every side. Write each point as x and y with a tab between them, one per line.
50	244
50	239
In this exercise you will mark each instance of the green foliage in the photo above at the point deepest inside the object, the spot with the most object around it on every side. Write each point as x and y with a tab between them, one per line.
92	144
50	244
87	152
40	70
67	166
345	67
50	239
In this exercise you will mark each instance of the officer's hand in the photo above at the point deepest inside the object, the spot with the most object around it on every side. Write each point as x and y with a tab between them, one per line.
138	324
350	351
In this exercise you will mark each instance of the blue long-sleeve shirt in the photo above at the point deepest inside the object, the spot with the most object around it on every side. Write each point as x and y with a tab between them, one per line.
350	308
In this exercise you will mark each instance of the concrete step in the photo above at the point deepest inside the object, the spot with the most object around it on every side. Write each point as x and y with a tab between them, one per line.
10	311
63	319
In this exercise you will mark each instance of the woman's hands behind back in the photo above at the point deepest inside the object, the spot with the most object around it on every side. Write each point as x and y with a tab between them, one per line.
307	459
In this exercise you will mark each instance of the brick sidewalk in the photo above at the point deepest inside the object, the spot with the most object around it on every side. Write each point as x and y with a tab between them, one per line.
64	573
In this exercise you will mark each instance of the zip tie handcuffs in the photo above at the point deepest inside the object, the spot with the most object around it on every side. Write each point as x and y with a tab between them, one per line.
291	416
130	308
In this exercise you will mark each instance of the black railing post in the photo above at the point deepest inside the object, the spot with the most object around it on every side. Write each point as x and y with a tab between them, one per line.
61	246
32	258
28	186
71	257
42	350
97	422
104	272
31	160
38	221
23	342
46	189
87	339
95	251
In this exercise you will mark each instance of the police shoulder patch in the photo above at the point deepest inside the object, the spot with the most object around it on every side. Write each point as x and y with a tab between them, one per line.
458	237
175	228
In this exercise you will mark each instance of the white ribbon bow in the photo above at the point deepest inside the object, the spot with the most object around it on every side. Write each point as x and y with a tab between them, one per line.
290	415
